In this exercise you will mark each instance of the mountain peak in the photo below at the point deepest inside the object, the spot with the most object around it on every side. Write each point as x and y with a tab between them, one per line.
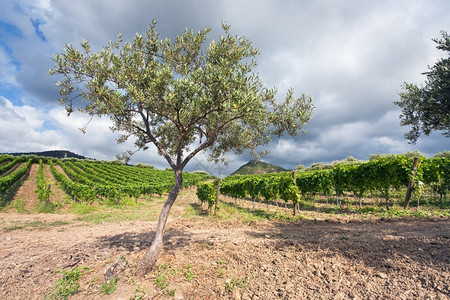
258	167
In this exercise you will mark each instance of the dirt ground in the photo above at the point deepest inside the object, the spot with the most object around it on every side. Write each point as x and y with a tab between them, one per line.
339	259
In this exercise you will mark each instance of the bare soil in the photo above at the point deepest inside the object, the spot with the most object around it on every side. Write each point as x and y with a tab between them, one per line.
212	259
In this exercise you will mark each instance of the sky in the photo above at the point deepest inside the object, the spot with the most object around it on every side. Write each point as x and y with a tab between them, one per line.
352	56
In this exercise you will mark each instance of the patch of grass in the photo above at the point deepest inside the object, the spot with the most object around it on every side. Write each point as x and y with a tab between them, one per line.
232	283
35	224
120	214
220	272
19	205
139	293
369	210
83	209
164	272
47	207
231	211
68	285
96	218
102	213
193	211
188	274
108	288
124	201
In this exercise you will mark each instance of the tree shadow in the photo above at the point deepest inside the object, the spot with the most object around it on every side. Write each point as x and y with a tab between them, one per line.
388	245
132	241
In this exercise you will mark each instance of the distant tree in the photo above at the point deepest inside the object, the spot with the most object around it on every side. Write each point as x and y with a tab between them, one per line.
321	166
144	165
445	154
301	168
347	160
415	153
427	108
182	96
379	155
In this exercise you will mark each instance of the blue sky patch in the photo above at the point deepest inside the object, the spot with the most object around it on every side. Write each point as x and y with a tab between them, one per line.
7	29
39	33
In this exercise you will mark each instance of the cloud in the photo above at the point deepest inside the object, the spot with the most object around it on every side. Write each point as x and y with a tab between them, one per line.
352	56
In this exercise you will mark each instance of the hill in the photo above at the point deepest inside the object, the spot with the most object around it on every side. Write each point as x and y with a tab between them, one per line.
51	153
258	167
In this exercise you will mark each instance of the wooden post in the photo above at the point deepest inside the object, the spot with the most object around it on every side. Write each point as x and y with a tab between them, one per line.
217	196
410	187
294	206
118	198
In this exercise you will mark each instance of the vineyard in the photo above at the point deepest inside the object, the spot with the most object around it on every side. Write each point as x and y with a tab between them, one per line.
358	185
338	247
385	178
89	180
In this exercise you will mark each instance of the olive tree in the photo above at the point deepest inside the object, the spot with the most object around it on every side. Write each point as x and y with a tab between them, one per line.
185	96
427	108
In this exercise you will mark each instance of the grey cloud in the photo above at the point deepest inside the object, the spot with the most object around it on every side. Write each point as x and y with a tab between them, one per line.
352	56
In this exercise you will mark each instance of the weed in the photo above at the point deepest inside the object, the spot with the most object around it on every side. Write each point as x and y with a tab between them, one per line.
109	287
344	238
233	282
68	285
46	207
188	274
161	281
172	292
164	271
139	293
19	205
220	272
83	209
36	224
207	244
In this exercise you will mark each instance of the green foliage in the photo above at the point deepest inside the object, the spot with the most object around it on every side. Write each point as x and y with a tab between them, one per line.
68	285
233	282
288	189
188	273
91	179
12	162
163	273
269	186
142	165
19	205
43	190
10	180
427	108
445	154
206	192
108	288
383	173
180	94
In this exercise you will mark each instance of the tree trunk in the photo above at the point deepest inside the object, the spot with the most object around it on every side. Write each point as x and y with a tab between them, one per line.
148	261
